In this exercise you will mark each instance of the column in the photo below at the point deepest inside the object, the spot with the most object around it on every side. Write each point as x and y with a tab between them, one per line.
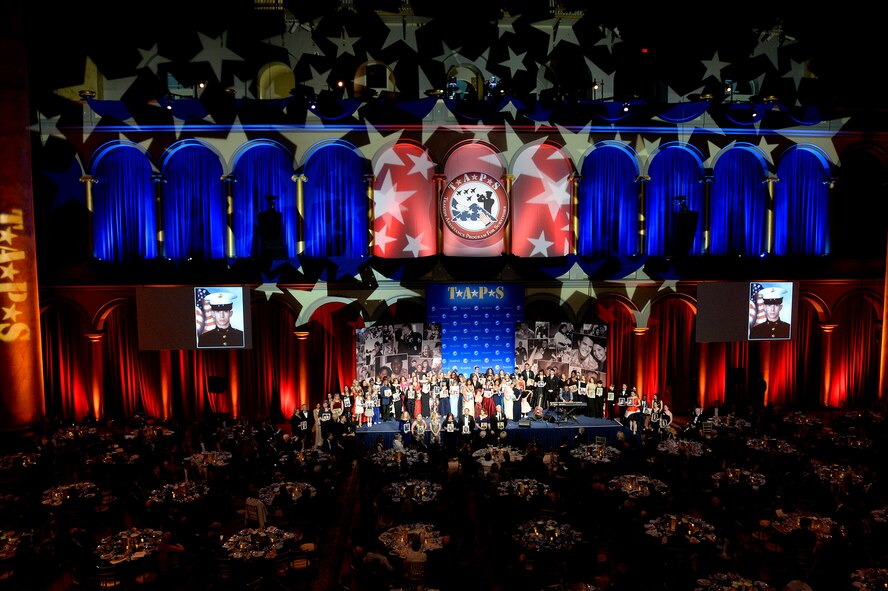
300	180
642	181
827	365
883	354
507	230
639	361
769	225
440	182
159	181
96	375
88	181
371	238
21	361
228	179
575	210
707	211
302	393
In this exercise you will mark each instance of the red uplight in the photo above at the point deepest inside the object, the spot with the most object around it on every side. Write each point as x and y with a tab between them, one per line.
644	50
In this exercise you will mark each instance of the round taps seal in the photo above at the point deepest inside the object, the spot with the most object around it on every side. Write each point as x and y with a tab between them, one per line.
474	206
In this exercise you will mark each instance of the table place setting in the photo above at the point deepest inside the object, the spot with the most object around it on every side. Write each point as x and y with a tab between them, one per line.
252	543
391	458
870	579
739	477
731	582
418	491
286	493
522	488
596	453
547	535
685	527
638	485
129	544
180	492
683	447
498	453
70	493
770	444
209	458
397	539
822	526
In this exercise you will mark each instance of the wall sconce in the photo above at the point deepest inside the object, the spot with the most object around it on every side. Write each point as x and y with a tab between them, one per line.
86	94
625	107
729	90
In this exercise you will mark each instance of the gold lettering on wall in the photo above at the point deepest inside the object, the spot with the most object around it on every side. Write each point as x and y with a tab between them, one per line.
12	292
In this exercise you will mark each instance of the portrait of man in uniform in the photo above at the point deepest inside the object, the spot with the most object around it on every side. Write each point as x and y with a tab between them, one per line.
773	326
218	330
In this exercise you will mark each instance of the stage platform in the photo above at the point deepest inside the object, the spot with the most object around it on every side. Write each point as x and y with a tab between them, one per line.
551	430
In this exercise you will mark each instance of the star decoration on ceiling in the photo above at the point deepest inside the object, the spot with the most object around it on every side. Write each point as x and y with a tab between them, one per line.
269	288
402	29
515	63
344	44
415	245
769	48
381	238
796	72
611	38
555	194
822	140
151	59
559	29
48	127
714	67
215	51
422	165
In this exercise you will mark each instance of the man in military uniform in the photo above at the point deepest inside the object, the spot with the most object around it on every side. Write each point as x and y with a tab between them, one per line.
773	327
223	335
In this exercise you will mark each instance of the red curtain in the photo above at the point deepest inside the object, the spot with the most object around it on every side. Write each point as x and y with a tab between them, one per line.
670	354
332	343
270	367
855	356
131	376
65	362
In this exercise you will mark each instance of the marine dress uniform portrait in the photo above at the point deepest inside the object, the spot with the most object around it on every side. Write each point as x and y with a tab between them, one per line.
221	310
773	327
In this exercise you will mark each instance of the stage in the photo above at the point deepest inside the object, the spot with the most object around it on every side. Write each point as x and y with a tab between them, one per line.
551	430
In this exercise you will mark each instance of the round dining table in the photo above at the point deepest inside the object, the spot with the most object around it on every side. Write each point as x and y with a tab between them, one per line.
732	582
252	544
397	539
547	535
128	545
671	528
637	486
596	453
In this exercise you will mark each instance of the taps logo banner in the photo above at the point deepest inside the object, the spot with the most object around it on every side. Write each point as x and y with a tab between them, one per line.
474	206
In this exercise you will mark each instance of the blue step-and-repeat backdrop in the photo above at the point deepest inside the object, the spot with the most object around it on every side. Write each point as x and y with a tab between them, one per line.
477	324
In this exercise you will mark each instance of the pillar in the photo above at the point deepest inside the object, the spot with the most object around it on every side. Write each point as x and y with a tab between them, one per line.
507	230
88	181
302	393
300	179
158	181
21	362
769	225
642	181
707	212
574	211
229	181
440	182
371	212
639	362
96	376
826	365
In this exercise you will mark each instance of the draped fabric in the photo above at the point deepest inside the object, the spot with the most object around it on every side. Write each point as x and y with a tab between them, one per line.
801	205
271	366
264	170
807	352
335	204
124	212
674	172
65	362
405	203
194	204
856	348
738	204
541	202
608	204
620	342
332	339
131	378
215	363
670	352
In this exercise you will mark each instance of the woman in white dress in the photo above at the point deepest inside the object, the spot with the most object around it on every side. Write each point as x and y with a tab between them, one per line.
359	408
455	393
508	399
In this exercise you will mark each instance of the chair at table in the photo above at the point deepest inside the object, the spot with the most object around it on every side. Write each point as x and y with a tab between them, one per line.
416	574
301	569
707	429
599	440
105	578
255	512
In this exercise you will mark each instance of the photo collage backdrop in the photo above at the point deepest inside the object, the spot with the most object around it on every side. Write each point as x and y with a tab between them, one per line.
564	346
397	350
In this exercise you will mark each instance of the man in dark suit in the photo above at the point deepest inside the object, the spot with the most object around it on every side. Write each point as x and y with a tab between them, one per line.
527	374
300	426
553	384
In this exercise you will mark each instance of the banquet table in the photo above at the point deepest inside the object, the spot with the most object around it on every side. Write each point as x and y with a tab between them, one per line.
596	453
128	545
209	458
547	535
397	539
772	445
526	489
680	527
498	453
286	493
732	582
636	486
395	460
179	493
837	475
870	579
9	543
69	494
739	477
251	544
821	525
683	447
418	491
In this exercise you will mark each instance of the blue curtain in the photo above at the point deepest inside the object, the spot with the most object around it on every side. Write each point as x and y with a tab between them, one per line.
124	216
335	204
194	205
801	205
674	172
608	208
264	170
738	210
